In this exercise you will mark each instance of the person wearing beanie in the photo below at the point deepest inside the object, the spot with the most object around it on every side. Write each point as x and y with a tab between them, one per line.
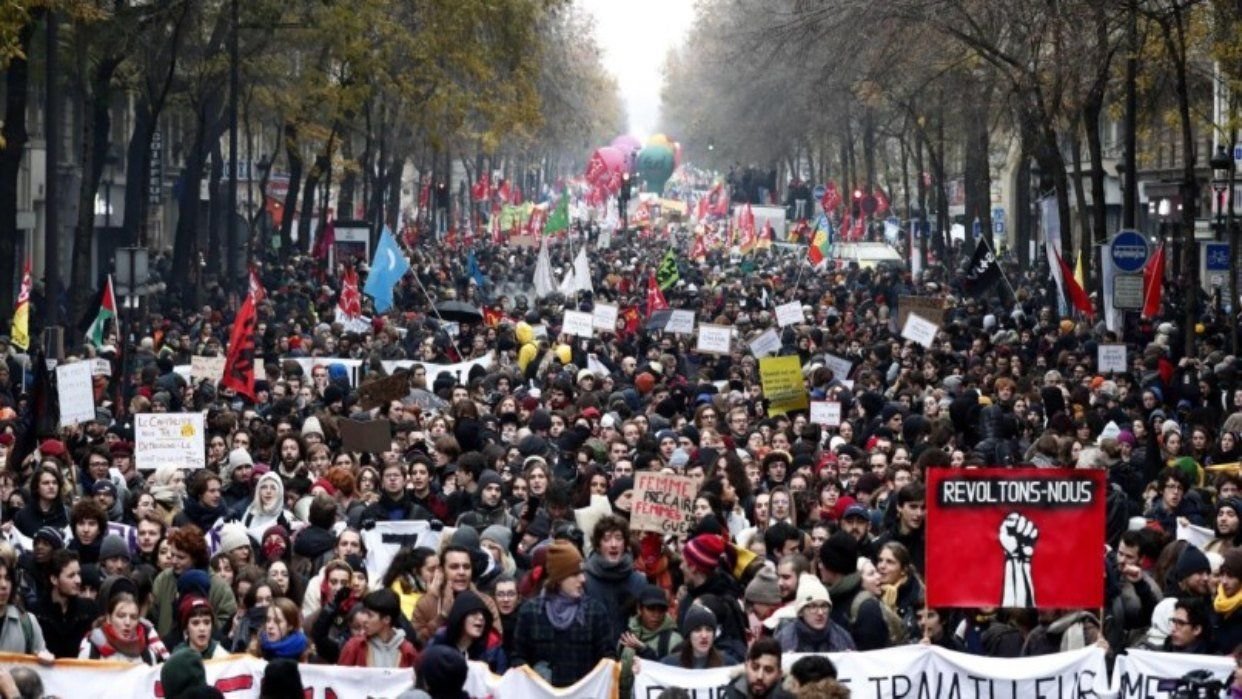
763	598
114	556
383	643
182	672
198	621
442	672
813	630
855	610
470	630
190	561
238	477
489	505
563	633
621	496
1188	578
698	651
705	569
1228	525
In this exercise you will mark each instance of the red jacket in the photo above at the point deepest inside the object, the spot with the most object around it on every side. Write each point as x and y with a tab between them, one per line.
357	653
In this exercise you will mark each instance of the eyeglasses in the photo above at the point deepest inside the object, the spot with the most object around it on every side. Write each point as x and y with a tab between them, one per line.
1179	623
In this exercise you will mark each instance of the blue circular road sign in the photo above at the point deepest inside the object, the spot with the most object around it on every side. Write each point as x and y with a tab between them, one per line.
1130	251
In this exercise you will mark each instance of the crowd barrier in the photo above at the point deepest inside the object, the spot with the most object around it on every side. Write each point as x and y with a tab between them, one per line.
907	672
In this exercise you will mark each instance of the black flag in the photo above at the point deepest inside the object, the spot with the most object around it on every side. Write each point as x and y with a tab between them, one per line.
983	272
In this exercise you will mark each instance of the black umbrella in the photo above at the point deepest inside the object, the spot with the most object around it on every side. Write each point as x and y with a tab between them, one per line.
459	311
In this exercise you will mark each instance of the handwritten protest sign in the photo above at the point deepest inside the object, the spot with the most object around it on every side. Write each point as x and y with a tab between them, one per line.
206	368
604	317
76	392
920	330
169	439
1111	357
767	343
577	323
714	339
101	367
840	367
782	384
826	413
681	322
789	314
663	503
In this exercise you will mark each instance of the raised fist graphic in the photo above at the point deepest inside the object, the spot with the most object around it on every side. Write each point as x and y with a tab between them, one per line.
1017	538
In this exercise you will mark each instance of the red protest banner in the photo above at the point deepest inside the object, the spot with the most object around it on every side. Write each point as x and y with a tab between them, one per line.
1005	537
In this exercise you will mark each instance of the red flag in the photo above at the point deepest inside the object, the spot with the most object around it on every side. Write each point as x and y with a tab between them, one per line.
747	239
350	301
492	316
700	212
327	238
631	317
832	197
1153	283
719	204
481	188
655	297
881	202
1077	296
698	251
256	285
1002	529
239	365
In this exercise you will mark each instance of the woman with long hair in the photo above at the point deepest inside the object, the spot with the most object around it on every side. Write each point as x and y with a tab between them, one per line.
121	634
410	574
698	651
46	507
282	635
900	585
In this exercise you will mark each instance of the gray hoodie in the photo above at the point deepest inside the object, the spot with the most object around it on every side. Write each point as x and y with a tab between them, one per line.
386	654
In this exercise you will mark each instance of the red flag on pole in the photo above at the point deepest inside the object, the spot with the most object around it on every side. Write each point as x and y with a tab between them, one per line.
1077	296
256	285
350	301
831	199
1153	283
655	297
239	365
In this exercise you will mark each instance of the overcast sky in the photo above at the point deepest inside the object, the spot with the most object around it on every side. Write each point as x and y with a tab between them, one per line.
636	36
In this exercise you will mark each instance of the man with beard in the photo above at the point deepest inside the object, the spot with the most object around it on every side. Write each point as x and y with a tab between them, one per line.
489	505
762	679
610	574
292	467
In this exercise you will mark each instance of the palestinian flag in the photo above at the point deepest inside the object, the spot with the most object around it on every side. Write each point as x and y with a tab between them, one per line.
95	334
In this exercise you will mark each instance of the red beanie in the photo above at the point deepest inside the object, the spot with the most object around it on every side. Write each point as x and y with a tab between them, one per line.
189	606
53	448
703	552
326	485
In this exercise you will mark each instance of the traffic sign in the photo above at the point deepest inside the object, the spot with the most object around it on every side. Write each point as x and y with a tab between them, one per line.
998	226
1237	155
819	192
1129	251
1128	292
1214	265
998	214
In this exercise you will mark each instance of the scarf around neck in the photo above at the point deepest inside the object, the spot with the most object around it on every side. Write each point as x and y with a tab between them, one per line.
109	642
600	567
888	593
563	611
1226	606
291	646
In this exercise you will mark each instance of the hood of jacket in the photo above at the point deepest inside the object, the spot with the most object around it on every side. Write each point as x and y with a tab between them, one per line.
464	604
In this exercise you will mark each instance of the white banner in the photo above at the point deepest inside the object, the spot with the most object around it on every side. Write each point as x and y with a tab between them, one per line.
461	369
239	677
164	439
577	323
76	391
916	671
826	413
385	539
1139	673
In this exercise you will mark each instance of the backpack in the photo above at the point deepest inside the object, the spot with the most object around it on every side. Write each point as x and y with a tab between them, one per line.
896	627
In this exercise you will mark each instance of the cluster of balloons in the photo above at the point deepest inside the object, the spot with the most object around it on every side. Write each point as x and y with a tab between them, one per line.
654	162
529	349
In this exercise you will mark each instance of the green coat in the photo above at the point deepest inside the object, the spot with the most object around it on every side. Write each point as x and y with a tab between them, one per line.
659	643
163	611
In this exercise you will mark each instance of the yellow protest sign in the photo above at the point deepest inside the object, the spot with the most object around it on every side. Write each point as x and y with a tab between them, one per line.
782	384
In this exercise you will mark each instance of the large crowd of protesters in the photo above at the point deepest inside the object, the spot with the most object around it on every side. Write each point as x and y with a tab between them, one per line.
805	539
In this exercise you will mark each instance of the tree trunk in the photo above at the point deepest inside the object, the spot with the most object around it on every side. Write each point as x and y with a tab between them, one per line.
977	170
394	192
1080	195
17	95
217	212
868	127
308	202
349	182
293	153
1099	210
96	130
1175	41
187	244
138	172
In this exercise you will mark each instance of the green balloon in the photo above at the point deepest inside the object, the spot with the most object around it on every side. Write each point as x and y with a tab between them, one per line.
655	166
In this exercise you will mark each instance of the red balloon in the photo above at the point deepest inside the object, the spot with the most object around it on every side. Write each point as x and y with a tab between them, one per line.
604	168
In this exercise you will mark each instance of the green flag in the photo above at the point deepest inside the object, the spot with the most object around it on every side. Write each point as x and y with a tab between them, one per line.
667	275
558	220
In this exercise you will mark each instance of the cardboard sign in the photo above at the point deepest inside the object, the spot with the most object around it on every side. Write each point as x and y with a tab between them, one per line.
1111	357
380	392
76	391
210	369
604	317
101	367
164	439
767	343
826	413
1004	529
663	503
577	323
714	339
789	314
920	330
366	436
840	367
930	308
681	322
782	384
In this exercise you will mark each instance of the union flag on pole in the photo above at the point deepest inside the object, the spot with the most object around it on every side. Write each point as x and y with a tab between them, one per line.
239	364
655	297
832	197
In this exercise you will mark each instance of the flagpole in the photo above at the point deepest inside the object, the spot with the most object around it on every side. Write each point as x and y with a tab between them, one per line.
1012	294
431	302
